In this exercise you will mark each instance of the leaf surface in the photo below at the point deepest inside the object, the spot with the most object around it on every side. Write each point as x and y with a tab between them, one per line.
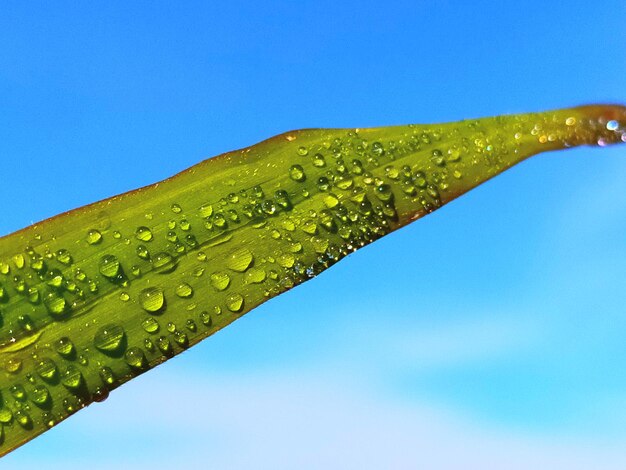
93	297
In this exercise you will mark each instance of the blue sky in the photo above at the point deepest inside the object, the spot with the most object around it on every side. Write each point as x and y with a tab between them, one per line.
502	341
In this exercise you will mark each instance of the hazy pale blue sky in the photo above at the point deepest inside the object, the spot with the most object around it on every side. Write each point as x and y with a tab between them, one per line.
503	343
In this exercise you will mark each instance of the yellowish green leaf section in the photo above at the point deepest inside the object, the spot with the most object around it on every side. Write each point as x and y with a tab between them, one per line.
96	296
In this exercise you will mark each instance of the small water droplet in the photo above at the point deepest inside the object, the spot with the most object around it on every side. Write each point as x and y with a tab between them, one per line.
23	419
109	266
184	290
56	304
164	345
286	260
318	160
106	375
40	395
181	339
64	257
205	318
47	370
296	173
18	392
255	275
135	358
94	236
150	325
234	302
64	347
239	260
110	339
144	234
176	209
5	415
191	325
72	378
612	125
152	299
163	262
13	365
220	280
19	261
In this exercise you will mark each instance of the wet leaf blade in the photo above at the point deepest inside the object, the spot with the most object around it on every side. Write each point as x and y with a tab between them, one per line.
96	296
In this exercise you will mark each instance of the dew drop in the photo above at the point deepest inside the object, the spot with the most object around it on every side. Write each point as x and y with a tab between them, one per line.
64	347
164	345
206	210
191	325
255	275
205	318
47	370
164	262
220	280
5	415
72	378
109	266
150	325
64	257
612	125
23	419
135	358
94	236
56	304
144	234
110	339
318	160
152	299
19	261
100	394
184	290
383	192
239	260
40	395
106	375
234	302
18	392
181	339
296	173
286	260
13	365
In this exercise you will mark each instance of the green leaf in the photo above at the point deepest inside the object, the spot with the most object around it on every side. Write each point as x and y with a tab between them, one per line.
94	297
